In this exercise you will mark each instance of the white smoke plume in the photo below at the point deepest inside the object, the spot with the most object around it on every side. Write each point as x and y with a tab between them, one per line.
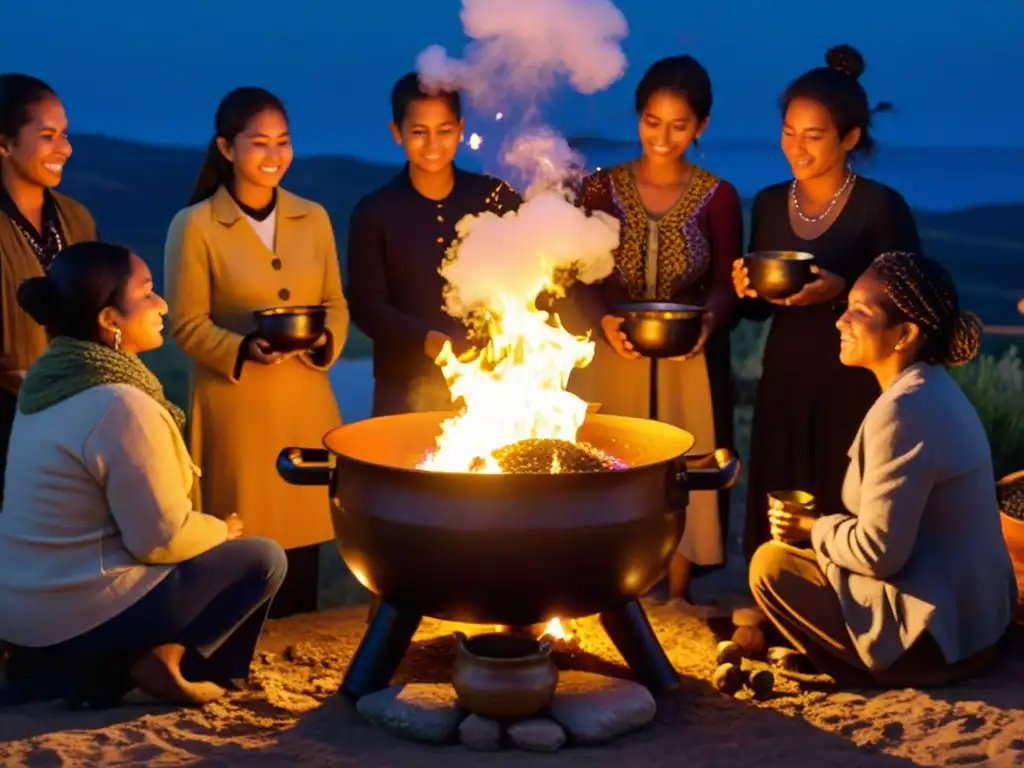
510	259
543	158
519	51
521	47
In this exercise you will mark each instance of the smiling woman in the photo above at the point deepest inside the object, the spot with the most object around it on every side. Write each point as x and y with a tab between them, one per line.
244	245
36	223
809	405
682	228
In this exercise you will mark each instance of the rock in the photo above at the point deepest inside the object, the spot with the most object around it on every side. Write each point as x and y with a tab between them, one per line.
762	683
784	658
728	679
417	711
480	733
751	641
537	735
594	708
729	653
748	617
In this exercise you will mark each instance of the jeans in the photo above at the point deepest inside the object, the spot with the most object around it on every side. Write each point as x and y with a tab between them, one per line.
214	605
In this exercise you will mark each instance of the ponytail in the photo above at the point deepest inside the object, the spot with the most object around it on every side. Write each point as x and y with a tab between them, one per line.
233	114
216	170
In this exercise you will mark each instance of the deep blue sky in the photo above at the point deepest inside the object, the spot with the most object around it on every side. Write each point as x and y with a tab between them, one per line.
956	75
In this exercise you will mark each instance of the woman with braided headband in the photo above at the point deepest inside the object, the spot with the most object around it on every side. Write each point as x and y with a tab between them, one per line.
911	583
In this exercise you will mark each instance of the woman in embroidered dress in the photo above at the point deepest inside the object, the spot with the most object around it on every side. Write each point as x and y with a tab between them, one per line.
35	222
809	406
246	244
682	228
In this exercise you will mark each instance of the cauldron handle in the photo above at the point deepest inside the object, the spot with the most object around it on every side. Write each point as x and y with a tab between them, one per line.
713	471
305	466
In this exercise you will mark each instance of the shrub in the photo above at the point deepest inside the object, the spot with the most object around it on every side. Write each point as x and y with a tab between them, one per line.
996	389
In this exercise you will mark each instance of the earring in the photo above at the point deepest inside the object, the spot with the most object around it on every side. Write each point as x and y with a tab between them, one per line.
899	346
117	339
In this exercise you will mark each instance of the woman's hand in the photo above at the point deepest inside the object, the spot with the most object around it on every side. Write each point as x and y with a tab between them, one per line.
260	351
707	327
235	526
741	280
789	522
826	287
611	325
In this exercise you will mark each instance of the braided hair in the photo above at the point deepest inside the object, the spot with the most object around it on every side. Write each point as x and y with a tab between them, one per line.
921	291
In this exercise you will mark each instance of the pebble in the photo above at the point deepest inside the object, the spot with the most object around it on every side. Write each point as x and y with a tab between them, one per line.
537	735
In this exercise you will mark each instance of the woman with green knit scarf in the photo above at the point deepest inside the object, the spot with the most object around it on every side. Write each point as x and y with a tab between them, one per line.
109	578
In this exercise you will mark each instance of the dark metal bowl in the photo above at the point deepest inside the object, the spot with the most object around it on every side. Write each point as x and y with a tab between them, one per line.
778	274
661	328
291	328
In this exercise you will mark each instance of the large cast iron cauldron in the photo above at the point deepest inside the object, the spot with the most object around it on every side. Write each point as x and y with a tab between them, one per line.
505	549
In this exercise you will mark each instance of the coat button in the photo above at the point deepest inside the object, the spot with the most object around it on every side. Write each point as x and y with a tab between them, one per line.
276	264
284	294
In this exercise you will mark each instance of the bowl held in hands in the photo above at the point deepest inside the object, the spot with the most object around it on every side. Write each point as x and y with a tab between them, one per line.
661	328
778	274
289	329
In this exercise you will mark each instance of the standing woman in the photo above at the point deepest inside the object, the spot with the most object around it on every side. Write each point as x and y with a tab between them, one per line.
682	228
809	406
36	223
246	244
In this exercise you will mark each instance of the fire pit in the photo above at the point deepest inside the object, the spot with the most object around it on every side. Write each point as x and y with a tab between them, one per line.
510	549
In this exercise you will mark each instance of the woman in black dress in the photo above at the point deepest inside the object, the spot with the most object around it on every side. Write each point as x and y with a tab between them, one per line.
809	406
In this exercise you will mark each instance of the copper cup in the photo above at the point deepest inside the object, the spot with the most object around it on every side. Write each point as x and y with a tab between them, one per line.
800	502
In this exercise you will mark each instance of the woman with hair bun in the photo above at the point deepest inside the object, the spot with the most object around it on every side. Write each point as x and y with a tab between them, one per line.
808	405
246	244
111	579
36	222
911	584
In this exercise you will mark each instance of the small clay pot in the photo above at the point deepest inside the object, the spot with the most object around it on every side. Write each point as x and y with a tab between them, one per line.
1013	534
503	677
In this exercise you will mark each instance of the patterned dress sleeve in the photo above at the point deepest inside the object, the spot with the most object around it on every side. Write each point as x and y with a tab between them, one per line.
594	301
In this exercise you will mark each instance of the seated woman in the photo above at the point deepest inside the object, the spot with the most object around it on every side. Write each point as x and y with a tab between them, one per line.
913	586
110	579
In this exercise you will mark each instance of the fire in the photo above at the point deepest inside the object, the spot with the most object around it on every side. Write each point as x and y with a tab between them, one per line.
513	390
554	630
515	387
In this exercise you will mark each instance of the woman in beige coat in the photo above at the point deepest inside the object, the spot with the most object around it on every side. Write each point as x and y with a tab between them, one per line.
245	244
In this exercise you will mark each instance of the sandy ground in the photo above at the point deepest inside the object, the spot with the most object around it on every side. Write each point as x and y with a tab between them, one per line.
297	717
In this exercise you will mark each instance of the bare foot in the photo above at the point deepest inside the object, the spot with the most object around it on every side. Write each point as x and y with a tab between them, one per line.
158	673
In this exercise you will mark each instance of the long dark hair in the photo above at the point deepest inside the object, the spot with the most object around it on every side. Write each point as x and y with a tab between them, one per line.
233	113
17	94
85	279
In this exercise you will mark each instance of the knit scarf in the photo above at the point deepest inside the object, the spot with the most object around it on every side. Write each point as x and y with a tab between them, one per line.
70	366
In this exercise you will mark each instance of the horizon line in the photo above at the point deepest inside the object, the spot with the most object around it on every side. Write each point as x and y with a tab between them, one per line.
736	144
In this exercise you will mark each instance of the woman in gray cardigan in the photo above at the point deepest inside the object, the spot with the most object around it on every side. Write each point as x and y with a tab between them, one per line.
109	578
911	584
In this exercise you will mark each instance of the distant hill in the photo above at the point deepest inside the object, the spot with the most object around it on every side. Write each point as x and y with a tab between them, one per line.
134	190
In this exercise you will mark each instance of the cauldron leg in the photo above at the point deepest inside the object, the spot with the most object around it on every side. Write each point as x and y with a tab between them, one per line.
631	632
380	652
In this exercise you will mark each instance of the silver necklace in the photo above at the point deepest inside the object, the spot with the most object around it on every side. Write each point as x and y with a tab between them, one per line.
850	176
